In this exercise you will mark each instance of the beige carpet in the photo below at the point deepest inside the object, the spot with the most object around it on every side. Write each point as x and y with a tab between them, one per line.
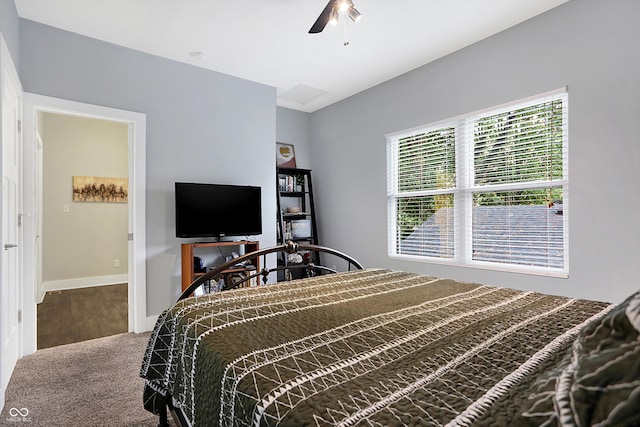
92	383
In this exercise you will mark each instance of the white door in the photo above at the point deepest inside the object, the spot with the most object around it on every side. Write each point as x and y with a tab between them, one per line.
11	286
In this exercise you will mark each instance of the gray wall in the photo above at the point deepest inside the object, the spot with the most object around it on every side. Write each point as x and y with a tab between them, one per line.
193	114
589	46
293	127
9	29
93	234
202	126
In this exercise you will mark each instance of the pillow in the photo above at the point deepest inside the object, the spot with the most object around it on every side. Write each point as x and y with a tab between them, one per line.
605	386
598	381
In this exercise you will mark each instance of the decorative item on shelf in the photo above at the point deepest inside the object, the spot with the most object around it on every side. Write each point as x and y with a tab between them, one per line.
295	258
285	155
287	230
293	209
299	183
198	265
209	287
300	228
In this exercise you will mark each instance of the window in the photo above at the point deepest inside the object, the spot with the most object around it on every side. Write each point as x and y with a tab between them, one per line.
487	189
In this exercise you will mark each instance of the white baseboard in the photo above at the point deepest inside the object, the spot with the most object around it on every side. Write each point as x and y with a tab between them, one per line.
151	322
83	282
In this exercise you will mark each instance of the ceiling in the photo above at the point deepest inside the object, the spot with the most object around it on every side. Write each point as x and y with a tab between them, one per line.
267	41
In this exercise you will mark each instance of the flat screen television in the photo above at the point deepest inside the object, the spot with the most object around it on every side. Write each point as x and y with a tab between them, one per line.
217	210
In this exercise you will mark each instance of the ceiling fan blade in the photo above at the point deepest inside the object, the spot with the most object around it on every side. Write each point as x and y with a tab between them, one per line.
323	19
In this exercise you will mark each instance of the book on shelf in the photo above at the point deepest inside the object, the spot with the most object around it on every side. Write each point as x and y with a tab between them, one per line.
287	183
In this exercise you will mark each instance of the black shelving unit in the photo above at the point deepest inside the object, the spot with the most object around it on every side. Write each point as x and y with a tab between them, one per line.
296	218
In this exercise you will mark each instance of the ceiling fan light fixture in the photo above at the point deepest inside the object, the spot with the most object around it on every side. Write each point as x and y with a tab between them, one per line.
354	14
331	15
333	18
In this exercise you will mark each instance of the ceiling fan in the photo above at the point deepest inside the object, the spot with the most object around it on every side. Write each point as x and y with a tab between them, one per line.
331	12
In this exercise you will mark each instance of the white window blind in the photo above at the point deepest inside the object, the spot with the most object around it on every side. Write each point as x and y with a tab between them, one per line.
487	189
425	180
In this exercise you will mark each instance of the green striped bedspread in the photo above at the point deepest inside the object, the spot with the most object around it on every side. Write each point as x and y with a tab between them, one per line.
376	348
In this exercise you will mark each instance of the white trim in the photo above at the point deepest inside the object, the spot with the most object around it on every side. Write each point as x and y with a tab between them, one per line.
84	282
465	188
7	362
137	188
509	268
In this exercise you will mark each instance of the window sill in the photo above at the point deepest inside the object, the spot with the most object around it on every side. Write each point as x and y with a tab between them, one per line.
536	271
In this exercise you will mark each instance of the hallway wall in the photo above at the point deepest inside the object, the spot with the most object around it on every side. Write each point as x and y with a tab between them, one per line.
93	234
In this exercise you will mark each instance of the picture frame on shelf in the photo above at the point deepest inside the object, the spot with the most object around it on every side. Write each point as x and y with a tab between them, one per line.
300	228
285	155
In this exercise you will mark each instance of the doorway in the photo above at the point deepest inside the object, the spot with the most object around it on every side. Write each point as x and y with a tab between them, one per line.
84	228
37	105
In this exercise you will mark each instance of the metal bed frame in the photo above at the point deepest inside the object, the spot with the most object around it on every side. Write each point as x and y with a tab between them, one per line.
310	270
289	247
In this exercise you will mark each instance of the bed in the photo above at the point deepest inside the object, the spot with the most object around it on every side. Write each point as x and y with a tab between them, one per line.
377	347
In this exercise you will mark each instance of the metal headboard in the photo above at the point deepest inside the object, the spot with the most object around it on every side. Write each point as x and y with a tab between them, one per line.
289	247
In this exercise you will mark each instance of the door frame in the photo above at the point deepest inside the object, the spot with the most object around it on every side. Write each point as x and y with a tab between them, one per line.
7	363
136	122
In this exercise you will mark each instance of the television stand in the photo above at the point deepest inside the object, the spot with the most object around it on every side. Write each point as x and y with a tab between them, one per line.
187	249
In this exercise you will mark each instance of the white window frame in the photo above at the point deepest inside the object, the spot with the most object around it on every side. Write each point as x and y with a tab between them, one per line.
464	189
